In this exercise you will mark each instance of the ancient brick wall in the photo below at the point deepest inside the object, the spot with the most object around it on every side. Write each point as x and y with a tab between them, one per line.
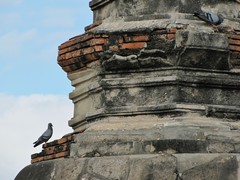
88	47
56	149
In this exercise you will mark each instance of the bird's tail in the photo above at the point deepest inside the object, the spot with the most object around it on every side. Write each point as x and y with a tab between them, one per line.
35	145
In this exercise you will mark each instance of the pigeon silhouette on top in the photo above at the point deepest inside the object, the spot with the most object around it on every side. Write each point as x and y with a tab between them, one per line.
45	136
210	17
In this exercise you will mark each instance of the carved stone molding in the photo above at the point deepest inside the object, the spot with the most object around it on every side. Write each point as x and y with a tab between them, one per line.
160	9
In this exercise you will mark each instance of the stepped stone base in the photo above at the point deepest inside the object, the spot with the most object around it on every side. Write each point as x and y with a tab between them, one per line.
151	134
148	147
138	167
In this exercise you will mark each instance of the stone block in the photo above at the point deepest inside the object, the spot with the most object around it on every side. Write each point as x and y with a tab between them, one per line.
202	50
222	167
161	167
38	171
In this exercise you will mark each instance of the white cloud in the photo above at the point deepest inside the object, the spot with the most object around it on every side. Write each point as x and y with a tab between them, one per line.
23	120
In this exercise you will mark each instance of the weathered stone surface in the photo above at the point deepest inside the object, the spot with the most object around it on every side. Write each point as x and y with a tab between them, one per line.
38	171
162	167
114	9
208	92
202	50
141	167
154	92
134	135
222	167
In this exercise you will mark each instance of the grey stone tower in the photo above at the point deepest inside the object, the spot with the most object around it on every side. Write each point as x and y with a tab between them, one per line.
156	94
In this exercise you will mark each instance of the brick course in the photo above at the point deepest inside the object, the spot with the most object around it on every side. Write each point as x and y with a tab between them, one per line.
76	53
234	47
55	149
133	45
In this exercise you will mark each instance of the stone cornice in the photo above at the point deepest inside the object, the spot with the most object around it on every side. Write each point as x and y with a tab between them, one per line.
94	4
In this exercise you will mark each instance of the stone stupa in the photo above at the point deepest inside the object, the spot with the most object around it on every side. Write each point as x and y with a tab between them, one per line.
157	95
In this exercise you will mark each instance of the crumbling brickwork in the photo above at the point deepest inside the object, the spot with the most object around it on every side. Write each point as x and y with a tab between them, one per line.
86	48
53	150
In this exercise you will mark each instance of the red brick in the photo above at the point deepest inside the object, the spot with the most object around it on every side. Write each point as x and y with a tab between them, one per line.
63	51
83	38
66	44
76	66
67	69
120	40
61	154
172	30
133	45
98	41
232	41
170	36
235	48
49	150
57	155
33	156
35	160
48	157
90	27
78	46
91	57
56	149
113	48
98	48
62	148
87	50
233	36
62	140
67	62
73	54
61	57
139	38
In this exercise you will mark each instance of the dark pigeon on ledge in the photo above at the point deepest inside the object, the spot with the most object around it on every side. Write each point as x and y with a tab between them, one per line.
45	136
210	17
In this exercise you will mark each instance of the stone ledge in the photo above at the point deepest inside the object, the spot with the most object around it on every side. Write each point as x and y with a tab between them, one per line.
94	4
186	134
141	167
113	10
160	135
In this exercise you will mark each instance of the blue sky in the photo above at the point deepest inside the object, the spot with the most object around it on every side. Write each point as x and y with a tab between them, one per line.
29	36
34	89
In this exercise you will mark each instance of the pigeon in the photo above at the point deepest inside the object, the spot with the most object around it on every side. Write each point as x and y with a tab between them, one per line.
45	136
210	17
